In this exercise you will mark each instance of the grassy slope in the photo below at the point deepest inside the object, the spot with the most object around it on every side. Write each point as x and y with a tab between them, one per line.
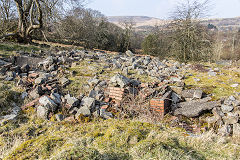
7	49
110	139
31	138
220	85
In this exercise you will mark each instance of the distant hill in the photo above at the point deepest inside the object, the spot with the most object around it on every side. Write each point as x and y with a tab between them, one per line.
147	23
141	22
224	24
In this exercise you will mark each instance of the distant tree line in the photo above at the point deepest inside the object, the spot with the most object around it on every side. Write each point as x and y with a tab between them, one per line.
187	39
63	21
68	21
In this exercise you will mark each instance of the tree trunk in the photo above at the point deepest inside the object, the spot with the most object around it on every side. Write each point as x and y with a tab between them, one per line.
26	22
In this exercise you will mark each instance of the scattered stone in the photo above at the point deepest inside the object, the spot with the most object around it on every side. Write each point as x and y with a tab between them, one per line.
84	111
64	81
56	97
211	73
129	53
93	82
226	108
24	95
225	130
40	80
72	101
236	129
42	112
231	118
25	68
88	102
125	71
36	93
106	115
198	94
236	103
48	102
196	79
120	80
59	117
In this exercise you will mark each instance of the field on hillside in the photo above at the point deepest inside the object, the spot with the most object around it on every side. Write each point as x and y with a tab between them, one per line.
30	137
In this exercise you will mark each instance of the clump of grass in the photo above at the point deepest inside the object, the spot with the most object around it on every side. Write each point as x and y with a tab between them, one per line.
8	95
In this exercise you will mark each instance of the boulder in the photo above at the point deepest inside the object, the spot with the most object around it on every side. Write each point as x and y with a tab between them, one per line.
120	80
231	118
64	81
36	92
226	108
129	53
188	93
48	102
84	111
198	94
88	102
225	130
42	112
59	117
56	97
72	101
195	108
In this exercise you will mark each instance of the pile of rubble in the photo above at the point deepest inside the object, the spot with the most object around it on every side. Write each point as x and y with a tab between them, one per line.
45	81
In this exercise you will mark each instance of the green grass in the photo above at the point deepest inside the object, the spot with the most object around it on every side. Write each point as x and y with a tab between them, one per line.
110	139
219	86
7	49
9	94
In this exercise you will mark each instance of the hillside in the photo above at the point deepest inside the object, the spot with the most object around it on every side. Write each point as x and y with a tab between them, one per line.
84	104
141	22
145	23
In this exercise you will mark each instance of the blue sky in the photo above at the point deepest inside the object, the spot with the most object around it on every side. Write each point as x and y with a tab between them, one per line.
159	8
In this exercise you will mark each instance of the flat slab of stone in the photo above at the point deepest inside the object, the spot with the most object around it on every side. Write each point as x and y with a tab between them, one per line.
196	107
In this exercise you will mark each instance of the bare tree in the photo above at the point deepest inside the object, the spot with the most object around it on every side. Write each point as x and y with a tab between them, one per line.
31	14
128	27
7	15
190	39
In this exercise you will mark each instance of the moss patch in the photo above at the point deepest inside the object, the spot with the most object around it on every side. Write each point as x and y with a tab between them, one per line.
219	86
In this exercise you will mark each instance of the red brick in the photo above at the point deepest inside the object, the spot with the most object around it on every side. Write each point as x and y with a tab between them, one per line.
157	107
118	98
49	87
104	107
107	100
161	111
34	102
67	106
33	75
